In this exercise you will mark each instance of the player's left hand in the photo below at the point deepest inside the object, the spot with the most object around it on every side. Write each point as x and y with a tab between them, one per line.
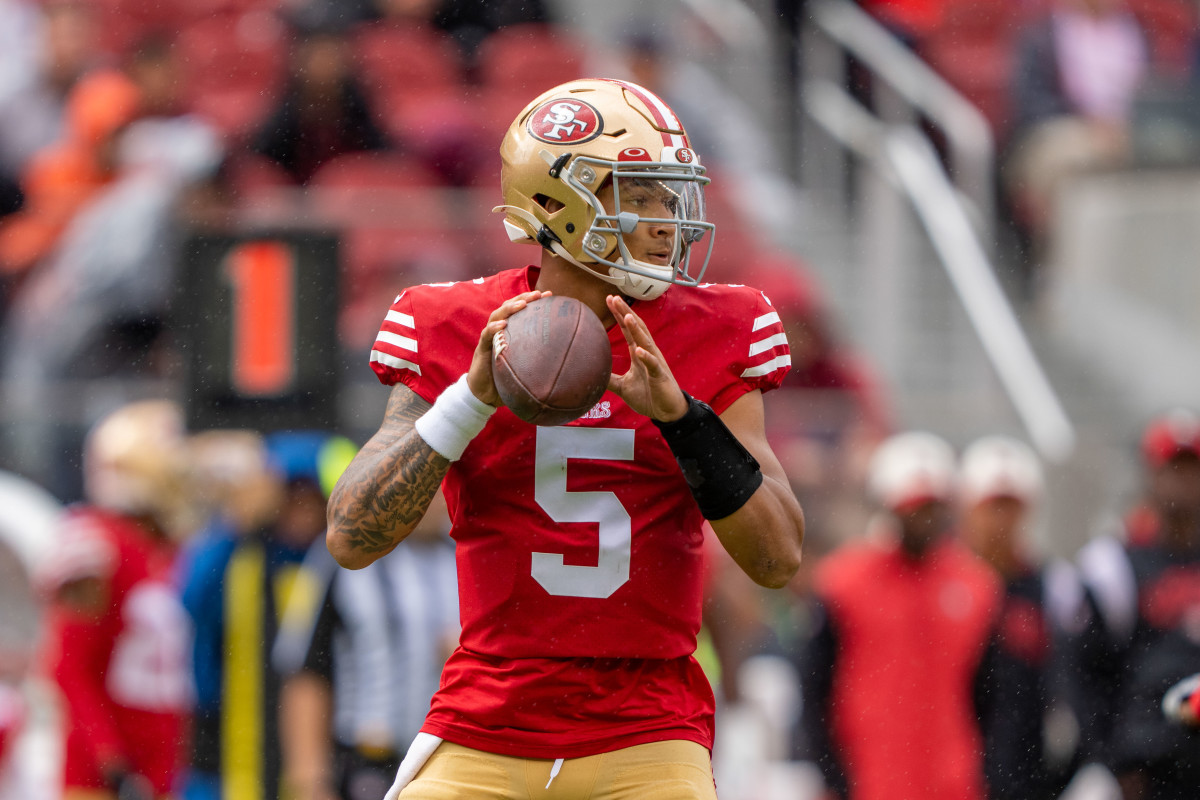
648	387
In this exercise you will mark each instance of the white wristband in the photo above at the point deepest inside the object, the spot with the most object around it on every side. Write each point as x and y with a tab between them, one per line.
457	417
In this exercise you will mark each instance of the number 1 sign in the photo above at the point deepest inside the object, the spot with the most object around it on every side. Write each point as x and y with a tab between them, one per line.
257	316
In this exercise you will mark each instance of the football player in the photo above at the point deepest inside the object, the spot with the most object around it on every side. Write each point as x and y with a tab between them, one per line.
579	547
118	636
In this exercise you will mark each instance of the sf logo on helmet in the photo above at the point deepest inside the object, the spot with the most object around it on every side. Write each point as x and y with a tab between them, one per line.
565	121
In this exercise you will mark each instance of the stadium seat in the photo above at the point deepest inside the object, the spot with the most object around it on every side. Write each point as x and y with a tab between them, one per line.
377	261
235	112
251	175
415	56
415	76
197	10
121	23
397	227
234	67
529	58
374	170
496	109
487	245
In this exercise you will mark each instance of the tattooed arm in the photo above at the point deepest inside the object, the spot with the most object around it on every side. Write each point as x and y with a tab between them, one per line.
387	488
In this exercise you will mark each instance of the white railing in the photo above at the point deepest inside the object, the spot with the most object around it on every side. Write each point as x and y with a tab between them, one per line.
955	210
904	89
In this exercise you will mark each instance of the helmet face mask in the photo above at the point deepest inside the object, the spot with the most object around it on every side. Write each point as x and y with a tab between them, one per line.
640	193
593	139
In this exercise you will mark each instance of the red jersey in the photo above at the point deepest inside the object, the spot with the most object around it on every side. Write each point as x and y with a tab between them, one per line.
123	674
579	547
910	636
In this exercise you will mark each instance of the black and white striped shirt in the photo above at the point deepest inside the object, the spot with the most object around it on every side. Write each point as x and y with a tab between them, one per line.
380	636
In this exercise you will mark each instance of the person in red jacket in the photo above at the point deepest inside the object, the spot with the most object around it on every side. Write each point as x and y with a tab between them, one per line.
118	636
906	616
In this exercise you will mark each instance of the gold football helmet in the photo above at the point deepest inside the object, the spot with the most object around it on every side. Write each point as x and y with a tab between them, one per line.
135	462
581	137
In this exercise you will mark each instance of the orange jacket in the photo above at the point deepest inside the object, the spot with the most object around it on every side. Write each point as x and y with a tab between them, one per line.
64	176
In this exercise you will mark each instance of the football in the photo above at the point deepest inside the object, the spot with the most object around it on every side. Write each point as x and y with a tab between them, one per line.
552	362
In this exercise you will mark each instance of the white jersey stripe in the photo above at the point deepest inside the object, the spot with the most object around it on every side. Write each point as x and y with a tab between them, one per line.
393	362
396	340
768	343
765	320
401	319
779	362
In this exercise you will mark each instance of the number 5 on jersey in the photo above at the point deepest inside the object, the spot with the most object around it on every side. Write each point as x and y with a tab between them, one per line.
555	448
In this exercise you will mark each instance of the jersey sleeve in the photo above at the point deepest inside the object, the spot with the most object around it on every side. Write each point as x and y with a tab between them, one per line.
428	336
761	357
395	357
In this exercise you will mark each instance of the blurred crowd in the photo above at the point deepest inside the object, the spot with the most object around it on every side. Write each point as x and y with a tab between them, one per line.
218	108
1067	87
183	631
128	127
927	649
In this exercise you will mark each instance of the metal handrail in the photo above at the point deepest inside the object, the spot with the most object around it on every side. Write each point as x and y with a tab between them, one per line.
920	89
974	278
908	161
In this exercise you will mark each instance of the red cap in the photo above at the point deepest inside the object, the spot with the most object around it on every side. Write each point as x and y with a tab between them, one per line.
1175	433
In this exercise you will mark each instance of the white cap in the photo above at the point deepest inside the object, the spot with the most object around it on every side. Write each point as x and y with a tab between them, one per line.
910	467
997	466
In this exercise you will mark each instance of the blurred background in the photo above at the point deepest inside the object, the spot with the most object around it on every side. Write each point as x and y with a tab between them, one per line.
161	161
970	224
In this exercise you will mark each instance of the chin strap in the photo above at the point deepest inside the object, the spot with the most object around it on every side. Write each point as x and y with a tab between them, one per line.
636	286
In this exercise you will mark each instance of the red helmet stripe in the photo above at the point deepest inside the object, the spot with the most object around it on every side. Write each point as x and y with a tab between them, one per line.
664	117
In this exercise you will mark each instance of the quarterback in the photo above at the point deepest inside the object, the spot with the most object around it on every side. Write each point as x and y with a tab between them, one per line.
579	546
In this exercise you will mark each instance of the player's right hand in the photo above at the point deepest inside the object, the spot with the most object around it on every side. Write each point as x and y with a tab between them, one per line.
479	376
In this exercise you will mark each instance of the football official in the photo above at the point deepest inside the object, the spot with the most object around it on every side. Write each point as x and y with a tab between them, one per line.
579	547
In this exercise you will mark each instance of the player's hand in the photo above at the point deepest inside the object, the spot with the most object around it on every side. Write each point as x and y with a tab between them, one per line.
648	387
479	376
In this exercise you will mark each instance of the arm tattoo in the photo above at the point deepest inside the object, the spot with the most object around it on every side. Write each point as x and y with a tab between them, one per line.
387	488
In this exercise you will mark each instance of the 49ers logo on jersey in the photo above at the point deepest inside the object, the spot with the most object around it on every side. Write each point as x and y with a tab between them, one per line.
565	121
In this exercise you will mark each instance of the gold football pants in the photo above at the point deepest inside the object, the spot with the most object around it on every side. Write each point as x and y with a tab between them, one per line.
673	770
